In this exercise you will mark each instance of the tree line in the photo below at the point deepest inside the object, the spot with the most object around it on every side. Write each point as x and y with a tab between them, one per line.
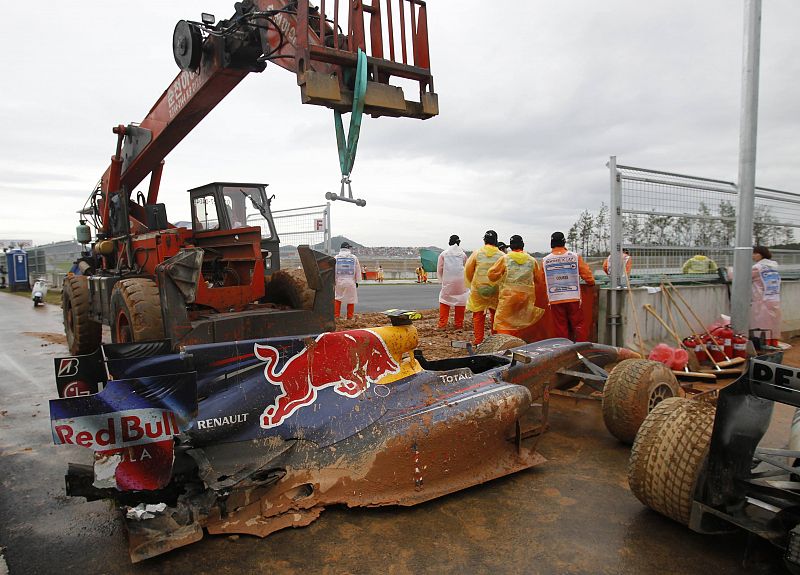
591	233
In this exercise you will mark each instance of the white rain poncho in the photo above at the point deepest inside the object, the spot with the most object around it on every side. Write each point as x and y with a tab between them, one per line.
765	309
450	269
348	272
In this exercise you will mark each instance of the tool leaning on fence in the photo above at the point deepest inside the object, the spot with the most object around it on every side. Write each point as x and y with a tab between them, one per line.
718	368
728	361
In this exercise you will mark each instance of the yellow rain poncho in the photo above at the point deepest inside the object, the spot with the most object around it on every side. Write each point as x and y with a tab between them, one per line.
516	307
483	292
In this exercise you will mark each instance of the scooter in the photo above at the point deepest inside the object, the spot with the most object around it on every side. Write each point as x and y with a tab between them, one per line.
39	291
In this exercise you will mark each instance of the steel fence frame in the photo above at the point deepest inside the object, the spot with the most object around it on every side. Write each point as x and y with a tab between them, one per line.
664	218
309	225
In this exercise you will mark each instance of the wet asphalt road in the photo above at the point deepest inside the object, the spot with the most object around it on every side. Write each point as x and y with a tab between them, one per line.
573	514
380	297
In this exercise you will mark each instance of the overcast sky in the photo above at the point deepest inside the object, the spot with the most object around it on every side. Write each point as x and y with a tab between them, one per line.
534	97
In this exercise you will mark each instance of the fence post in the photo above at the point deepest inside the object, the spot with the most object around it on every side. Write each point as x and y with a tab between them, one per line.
742	255
615	257
327	217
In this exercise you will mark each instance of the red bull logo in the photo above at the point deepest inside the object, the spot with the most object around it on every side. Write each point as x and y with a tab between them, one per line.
347	361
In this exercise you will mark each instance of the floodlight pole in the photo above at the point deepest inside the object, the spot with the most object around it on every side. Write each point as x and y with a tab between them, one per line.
748	127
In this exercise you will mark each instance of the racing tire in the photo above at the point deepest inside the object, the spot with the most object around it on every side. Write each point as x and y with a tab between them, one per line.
498	342
633	389
83	334
669	455
290	288
136	311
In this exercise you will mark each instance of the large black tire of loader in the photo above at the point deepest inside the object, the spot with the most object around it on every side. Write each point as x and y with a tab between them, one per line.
498	342
669	454
136	311
83	334
290	288
633	389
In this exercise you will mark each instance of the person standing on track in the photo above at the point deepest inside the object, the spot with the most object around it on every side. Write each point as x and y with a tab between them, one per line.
516	305
348	270
765	308
483	292
454	292
563	271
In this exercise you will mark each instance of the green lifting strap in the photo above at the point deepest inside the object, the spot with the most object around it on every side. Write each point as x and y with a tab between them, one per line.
348	144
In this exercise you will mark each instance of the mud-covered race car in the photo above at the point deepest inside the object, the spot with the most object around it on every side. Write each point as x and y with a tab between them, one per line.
255	436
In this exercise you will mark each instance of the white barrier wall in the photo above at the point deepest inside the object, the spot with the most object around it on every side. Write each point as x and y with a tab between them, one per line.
708	302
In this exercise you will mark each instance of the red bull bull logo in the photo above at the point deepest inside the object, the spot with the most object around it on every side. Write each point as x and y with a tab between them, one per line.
347	361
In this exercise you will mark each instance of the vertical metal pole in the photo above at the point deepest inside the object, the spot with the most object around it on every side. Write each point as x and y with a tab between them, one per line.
328	229
742	255
615	261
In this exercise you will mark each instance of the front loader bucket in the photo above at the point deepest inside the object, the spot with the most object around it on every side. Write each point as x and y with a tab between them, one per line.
320	272
257	321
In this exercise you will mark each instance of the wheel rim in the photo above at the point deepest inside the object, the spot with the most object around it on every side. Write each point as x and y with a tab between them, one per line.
123	329
659	394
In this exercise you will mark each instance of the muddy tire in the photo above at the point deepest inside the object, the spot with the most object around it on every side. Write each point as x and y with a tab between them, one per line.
498	342
136	311
633	389
669	454
83	334
290	288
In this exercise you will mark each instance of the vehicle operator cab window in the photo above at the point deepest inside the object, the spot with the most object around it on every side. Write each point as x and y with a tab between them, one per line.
248	206
204	213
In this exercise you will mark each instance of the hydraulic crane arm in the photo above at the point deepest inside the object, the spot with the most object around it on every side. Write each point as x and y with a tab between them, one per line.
295	36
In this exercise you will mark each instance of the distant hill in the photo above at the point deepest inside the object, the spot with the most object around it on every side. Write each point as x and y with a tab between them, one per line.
337	241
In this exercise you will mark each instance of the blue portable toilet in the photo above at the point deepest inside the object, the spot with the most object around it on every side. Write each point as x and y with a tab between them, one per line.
17	266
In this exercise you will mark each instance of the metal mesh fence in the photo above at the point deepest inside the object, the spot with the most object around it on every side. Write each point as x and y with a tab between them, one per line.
668	218
309	225
52	261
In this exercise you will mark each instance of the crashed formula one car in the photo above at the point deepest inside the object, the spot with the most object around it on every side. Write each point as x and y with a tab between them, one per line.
255	436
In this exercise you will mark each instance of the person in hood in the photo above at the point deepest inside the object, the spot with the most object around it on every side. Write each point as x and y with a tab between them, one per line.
348	270
516	305
454	292
483	291
563	271
627	263
700	264
765	308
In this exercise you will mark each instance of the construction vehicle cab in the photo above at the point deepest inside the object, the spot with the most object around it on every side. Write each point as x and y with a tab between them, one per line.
230	206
